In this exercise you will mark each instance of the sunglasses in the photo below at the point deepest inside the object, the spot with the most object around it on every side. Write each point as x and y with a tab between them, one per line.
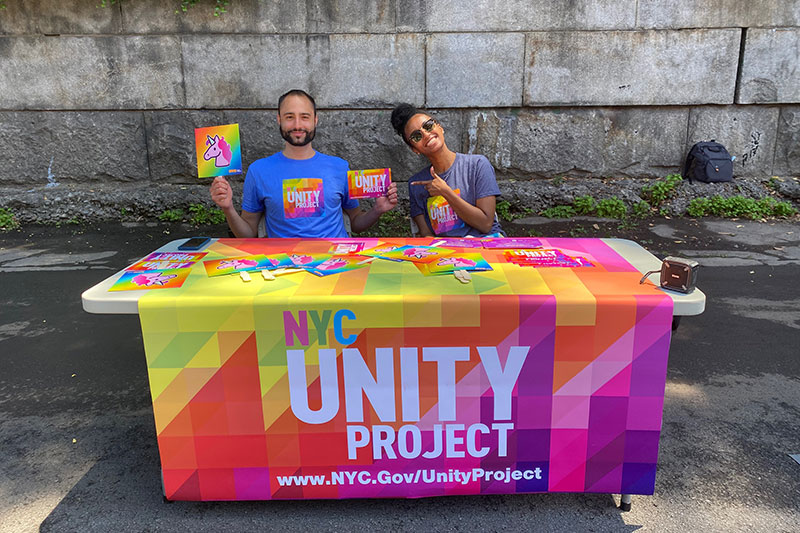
416	135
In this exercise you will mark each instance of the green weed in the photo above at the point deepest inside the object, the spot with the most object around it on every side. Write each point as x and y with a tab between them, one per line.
7	219
200	215
641	210
393	223
577	231
508	212
584	205
739	206
659	192
611	208
559	211
171	215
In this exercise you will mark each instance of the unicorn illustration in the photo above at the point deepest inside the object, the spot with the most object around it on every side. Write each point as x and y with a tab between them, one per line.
418	253
236	264
218	150
148	279
332	264
457	262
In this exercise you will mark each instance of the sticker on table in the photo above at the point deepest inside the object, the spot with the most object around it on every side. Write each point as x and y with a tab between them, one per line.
512	242
303	198
418	254
136	280
372	183
219	151
446	265
167	260
231	265
337	265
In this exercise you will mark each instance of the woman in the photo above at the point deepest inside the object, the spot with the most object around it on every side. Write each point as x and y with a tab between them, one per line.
455	196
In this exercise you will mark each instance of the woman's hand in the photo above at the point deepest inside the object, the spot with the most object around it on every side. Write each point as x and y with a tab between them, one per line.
436	186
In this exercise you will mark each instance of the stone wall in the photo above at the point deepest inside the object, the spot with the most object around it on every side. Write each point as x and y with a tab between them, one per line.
614	88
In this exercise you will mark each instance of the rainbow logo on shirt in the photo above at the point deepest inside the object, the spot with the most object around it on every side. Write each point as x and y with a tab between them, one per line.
443	218
303	198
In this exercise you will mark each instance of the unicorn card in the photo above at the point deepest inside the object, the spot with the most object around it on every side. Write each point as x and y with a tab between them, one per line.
219	152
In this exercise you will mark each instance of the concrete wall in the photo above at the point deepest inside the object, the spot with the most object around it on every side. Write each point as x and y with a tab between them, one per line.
605	88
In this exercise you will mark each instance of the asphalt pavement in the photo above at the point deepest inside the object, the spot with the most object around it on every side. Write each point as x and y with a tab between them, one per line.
77	438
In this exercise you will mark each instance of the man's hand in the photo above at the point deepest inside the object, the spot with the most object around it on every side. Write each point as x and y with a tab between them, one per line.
221	193
436	186
387	202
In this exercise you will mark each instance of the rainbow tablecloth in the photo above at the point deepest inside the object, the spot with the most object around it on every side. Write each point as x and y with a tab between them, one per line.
382	382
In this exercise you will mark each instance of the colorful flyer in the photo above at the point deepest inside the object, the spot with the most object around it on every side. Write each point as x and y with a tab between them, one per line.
167	260
418	254
309	260
231	265
381	250
446	265
545	258
337	265
219	151
347	247
372	183
457	242
135	280
512	242
274	261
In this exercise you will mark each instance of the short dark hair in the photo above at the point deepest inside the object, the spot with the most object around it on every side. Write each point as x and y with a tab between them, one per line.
401	114
297	92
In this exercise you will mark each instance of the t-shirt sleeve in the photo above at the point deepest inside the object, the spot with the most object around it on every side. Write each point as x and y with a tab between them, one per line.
250	197
485	180
415	202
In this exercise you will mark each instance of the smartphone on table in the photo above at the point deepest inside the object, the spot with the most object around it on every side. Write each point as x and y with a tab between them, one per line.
195	243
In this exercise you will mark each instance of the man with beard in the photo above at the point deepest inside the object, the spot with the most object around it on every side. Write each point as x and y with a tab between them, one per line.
299	191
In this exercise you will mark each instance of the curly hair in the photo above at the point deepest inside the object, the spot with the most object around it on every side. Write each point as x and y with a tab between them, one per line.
400	117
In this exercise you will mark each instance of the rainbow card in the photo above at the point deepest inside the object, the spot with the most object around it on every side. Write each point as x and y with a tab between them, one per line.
347	247
545	258
167	260
381	250
231	265
451	263
136	280
310	260
337	265
418	254
457	242
372	183
512	242
219	151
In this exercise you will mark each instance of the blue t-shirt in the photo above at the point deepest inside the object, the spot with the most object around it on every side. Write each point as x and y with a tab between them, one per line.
301	197
472	177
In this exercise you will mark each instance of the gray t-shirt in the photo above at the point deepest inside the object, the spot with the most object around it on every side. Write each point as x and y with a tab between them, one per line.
473	176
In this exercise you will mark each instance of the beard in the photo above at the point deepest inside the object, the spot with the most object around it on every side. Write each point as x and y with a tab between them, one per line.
287	136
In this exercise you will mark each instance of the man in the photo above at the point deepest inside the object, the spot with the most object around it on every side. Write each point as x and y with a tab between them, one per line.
299	191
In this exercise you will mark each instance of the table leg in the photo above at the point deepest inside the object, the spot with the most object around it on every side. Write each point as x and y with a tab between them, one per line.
625	503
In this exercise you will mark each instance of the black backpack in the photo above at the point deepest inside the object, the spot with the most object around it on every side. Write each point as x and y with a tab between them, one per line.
708	162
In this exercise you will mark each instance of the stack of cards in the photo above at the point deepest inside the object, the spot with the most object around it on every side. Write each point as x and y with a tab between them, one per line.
546	257
417	254
159	270
454	262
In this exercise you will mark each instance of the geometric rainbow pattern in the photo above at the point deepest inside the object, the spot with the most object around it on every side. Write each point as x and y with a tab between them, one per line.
586	409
